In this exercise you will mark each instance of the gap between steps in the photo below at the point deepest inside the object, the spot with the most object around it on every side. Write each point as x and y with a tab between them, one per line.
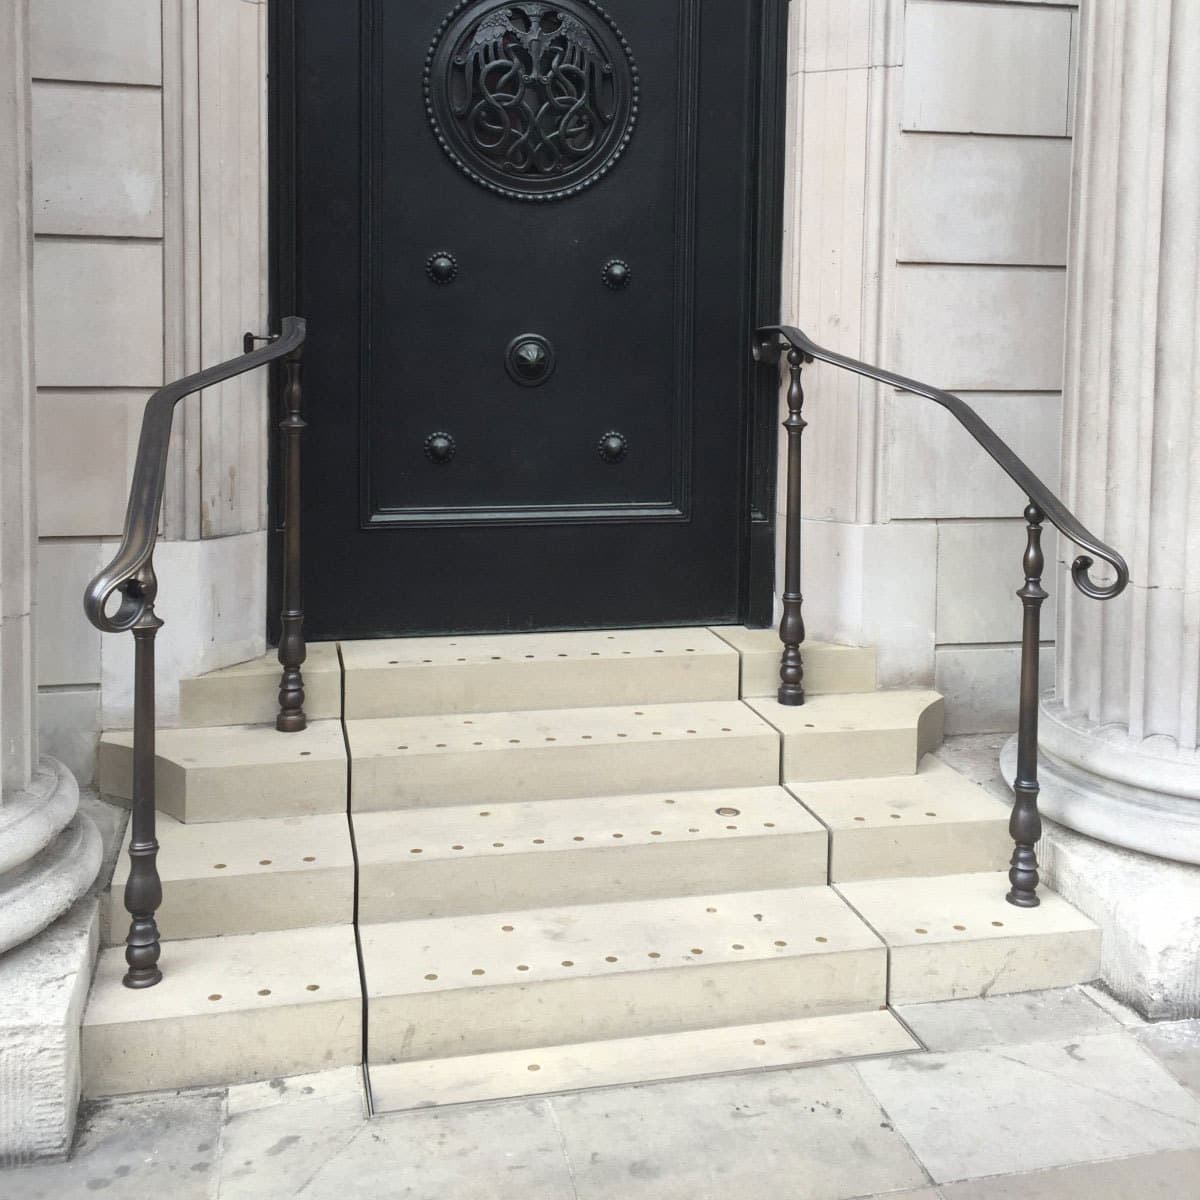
358	950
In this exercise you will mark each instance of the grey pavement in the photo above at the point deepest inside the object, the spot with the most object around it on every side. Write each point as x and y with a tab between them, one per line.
1058	1095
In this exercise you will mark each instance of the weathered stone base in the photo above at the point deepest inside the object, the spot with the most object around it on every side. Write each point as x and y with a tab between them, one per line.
43	990
1147	907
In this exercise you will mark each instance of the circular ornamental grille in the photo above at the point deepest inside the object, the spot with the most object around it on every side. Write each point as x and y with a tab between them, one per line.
533	101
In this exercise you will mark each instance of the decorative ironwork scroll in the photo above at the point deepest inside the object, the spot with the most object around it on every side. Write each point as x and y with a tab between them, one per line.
534	101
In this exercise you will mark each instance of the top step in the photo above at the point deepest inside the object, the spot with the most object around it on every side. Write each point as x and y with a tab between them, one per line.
401	677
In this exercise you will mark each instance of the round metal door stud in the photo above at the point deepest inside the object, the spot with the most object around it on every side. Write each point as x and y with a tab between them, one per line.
439	448
612	447
529	359
442	267
616	274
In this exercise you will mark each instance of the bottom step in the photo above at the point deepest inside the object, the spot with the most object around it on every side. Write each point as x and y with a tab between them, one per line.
506	981
433	1083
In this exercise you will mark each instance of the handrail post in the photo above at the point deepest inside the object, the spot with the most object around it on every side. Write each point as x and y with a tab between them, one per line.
791	625
1025	824
143	888
292	650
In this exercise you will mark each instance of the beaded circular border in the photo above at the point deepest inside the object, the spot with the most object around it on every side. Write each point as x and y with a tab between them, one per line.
512	193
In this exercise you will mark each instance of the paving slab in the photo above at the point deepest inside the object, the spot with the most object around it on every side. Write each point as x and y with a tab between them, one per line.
489	1152
814	1134
1176	1044
975	1113
1171	1175
141	1147
1057	1014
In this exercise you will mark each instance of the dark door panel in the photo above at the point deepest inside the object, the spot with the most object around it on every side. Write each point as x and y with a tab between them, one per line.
526	245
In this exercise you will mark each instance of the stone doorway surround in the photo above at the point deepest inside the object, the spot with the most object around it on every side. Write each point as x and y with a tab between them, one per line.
49	851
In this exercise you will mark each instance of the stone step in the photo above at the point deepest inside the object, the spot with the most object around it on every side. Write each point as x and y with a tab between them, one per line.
229	877
528	978
235	772
933	823
494	757
433	1082
856	735
228	1010
828	667
397	677
443	862
248	693
952	936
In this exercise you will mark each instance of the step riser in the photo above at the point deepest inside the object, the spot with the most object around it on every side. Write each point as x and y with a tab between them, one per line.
513	1017
956	971
518	687
309	783
925	850
416	780
474	886
200	908
147	1056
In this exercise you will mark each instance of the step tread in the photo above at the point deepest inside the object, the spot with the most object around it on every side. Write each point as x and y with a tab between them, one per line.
520	648
828	666
953	936
431	1083
215	746
924	910
847	711
607	939
936	795
248	691
551	729
260	846
236	968
547	826
411	676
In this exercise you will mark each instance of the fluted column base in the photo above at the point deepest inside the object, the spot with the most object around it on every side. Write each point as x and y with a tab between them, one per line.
50	854
1147	903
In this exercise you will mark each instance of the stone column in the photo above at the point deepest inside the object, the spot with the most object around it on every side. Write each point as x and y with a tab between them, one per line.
49	851
1121	771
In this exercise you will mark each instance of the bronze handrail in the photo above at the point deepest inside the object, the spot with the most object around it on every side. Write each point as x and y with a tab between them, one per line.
1001	452
1025	825
149	477
131	576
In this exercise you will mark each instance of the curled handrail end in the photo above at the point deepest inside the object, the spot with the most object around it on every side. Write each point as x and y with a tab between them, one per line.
1081	576
99	591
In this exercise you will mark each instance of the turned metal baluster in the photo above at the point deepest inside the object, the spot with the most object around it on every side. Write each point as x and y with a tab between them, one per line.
791	625
1025	825
292	650
143	888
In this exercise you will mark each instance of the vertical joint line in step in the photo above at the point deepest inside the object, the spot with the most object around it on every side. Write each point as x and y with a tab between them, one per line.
362	970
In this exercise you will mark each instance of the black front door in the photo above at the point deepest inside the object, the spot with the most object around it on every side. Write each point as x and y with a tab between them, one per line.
527	238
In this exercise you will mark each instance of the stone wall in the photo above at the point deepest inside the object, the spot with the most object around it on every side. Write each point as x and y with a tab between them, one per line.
149	183
927	221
